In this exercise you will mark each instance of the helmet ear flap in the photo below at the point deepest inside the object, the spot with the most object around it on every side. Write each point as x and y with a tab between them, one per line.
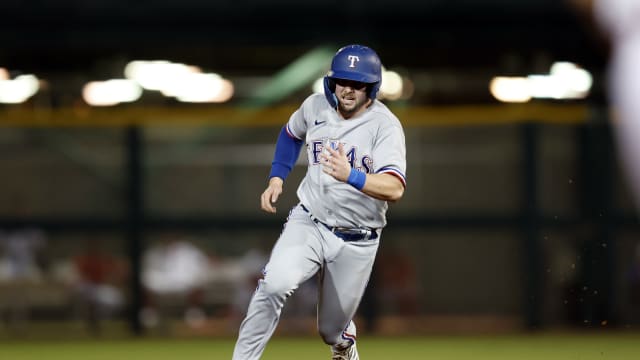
329	91
331	83
372	90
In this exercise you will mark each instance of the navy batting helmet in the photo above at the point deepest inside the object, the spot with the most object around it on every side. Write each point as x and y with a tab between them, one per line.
356	63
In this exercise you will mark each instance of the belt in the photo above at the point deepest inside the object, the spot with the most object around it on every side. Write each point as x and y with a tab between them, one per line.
346	234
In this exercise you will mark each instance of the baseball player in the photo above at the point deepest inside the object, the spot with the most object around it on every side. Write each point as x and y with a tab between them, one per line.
356	164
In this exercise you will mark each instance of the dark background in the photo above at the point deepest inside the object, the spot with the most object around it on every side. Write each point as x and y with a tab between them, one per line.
487	37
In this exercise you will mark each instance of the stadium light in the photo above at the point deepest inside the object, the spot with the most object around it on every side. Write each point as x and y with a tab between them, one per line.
318	86
158	74
510	89
201	88
565	80
186	83
18	90
578	81
391	87
111	92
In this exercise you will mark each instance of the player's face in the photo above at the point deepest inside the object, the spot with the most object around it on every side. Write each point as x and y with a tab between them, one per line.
352	97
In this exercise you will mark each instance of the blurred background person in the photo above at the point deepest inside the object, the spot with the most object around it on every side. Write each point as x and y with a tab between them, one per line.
23	255
23	264
174	272
621	21
99	288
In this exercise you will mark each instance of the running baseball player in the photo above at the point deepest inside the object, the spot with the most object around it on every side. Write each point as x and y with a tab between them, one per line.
356	164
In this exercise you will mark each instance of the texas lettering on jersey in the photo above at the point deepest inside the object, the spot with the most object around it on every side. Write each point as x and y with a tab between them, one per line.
363	163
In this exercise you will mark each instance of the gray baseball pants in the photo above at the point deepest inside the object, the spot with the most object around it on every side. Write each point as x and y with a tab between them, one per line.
303	249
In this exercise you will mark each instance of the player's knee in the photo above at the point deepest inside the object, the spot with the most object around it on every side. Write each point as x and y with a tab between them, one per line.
280	288
329	334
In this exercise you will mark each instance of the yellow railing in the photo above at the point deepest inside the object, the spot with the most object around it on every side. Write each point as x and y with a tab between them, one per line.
414	116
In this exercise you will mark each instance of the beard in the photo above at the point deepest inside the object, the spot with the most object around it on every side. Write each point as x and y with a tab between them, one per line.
352	105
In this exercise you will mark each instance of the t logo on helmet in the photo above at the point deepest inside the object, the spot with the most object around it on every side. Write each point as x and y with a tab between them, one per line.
353	59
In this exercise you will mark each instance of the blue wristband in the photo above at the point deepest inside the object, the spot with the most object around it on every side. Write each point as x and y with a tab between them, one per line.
357	179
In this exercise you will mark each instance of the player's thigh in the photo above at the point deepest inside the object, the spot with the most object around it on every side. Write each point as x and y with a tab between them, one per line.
295	256
343	282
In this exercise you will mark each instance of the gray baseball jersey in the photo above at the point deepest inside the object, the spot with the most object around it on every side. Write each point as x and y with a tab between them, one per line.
374	143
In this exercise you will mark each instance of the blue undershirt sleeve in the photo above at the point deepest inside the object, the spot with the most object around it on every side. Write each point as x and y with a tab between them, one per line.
287	152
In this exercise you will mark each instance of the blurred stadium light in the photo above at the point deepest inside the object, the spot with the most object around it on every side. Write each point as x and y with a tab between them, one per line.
186	83
201	88
392	84
18	90
157	75
510	89
574	82
565	81
111	92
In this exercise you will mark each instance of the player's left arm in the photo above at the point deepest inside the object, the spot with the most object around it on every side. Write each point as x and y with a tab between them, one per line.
382	186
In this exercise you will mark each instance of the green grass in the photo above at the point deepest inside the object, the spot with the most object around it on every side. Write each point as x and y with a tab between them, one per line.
525	347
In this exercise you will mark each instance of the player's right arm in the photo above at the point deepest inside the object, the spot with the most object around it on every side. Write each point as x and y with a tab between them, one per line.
288	147
287	151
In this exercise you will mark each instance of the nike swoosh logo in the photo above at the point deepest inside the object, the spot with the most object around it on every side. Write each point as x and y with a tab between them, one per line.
319	122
